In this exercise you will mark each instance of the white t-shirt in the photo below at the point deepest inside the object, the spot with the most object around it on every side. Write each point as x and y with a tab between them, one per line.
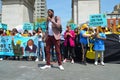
31	47
50	31
39	36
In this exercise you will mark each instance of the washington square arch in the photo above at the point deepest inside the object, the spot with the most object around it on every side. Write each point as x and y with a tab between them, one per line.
16	12
81	9
12	10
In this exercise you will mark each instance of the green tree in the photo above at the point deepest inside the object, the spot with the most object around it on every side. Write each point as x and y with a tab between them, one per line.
41	20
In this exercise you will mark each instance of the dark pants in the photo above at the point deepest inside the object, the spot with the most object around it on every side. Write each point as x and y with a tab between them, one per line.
53	54
62	48
69	52
50	40
78	52
84	51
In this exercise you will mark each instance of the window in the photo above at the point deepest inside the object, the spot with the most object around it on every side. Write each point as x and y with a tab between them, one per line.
42	4
38	6
42	16
42	10
117	22
111	21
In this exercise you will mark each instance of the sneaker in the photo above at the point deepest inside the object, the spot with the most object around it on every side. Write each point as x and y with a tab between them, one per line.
72	61
102	63
37	60
64	61
61	67
96	63
45	67
1	59
84	63
44	60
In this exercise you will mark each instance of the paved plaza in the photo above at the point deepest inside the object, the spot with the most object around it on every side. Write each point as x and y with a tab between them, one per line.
29	70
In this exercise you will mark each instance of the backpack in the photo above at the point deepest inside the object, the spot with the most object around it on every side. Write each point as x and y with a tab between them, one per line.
60	29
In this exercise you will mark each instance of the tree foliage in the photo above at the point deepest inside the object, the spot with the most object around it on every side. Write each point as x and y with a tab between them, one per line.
41	20
70	21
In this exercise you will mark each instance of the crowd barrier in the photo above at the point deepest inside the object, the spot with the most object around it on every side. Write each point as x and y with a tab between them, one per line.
112	48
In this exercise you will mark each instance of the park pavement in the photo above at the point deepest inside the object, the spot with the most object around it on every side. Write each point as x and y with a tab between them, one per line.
30	70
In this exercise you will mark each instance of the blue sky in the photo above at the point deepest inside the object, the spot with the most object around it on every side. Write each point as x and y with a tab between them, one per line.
108	5
62	8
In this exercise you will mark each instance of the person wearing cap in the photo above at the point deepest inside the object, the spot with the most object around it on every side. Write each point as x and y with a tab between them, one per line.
84	41
25	33
99	45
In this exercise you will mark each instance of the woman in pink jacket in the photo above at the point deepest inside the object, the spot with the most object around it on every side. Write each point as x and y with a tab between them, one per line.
69	44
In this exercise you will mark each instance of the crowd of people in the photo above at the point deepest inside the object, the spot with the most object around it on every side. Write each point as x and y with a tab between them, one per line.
65	46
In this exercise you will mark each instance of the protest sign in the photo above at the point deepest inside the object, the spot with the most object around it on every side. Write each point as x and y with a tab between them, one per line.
73	26
27	26
98	20
41	25
3	26
6	47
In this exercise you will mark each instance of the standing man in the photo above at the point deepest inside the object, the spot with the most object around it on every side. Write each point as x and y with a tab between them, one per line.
53	38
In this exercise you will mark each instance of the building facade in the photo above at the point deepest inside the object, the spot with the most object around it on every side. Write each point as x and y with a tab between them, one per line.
17	12
40	9
81	9
113	18
116	9
0	11
0	17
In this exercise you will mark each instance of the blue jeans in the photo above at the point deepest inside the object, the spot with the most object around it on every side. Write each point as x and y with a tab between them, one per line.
41	46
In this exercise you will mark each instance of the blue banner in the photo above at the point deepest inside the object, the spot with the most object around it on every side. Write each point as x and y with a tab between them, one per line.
73	26
41	25
6	47
28	26
98	20
3	26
